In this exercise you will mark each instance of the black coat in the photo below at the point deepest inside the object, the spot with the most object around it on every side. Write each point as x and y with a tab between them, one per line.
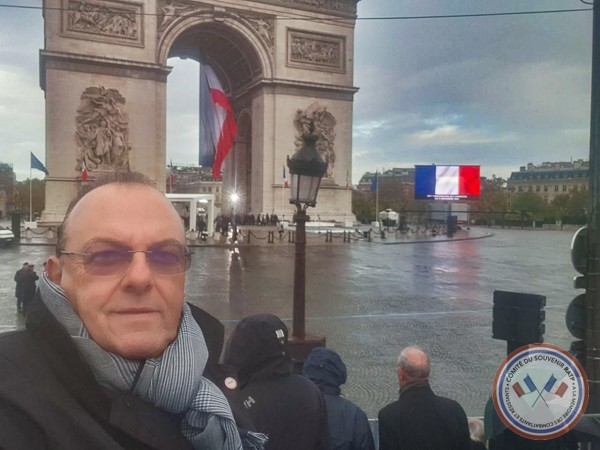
289	408
49	398
421	420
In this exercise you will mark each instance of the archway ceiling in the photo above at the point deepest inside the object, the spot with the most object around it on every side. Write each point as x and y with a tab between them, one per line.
234	60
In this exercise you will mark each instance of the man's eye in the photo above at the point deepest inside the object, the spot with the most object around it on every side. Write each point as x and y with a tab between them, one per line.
108	256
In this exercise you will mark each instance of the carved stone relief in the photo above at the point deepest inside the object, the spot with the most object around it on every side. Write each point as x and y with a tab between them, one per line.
265	27
102	131
170	10
315	51
104	20
324	128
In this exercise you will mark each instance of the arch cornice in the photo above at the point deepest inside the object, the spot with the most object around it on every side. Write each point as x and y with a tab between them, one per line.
227	20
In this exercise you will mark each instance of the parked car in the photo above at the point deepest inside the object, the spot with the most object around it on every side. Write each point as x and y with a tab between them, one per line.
6	237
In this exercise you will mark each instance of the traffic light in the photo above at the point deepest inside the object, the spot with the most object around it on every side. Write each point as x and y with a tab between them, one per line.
518	318
575	316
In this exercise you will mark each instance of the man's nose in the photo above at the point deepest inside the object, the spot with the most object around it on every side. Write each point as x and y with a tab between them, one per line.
139	272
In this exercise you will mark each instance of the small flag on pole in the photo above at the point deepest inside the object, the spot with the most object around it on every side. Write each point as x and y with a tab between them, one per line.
37	164
286	182
374	182
84	172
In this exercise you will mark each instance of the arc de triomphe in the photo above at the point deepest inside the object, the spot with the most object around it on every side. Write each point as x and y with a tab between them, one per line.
282	62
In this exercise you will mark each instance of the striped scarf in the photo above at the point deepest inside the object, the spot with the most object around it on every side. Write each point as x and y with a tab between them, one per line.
173	381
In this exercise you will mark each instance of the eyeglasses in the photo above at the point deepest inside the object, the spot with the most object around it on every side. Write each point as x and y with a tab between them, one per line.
113	260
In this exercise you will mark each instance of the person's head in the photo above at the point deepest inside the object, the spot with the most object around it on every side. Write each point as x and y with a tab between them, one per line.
412	366
25	266
476	429
325	368
121	260
257	348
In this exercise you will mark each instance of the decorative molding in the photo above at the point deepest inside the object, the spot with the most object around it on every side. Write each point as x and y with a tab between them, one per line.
109	21
102	131
171	10
340	7
316	51
324	128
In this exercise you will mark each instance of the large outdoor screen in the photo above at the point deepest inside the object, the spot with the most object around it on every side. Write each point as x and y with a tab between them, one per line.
446	182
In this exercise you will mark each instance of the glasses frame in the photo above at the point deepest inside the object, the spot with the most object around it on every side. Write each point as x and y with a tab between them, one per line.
187	255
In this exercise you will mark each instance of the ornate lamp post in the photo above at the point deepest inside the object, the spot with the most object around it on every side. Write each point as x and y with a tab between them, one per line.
306	169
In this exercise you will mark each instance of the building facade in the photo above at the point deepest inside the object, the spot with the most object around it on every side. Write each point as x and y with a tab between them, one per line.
550	179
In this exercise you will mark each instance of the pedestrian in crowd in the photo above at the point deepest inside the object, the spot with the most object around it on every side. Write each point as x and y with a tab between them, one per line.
287	407
477	434
19	286
348	424
419	419
112	357
28	286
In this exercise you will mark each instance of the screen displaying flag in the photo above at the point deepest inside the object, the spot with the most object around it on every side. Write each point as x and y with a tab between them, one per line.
447	182
84	172
217	121
286	182
37	164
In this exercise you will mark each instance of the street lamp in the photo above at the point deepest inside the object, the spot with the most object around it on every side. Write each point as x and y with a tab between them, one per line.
306	168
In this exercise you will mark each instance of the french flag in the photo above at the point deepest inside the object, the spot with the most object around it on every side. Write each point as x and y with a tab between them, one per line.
218	121
84	172
528	383
286	183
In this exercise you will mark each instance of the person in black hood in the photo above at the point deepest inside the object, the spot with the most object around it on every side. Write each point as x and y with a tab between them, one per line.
287	407
348	424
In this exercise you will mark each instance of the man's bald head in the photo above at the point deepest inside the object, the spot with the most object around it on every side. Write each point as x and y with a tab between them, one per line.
413	365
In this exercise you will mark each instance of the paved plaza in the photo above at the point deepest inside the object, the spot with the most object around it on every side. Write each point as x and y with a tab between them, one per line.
370	299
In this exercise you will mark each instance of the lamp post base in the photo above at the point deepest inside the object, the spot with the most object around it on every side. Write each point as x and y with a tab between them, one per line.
300	348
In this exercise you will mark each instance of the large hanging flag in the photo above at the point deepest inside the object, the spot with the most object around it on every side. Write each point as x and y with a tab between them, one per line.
37	164
218	121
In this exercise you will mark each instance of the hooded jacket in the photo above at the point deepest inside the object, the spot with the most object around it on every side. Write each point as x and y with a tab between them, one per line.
348	424
287	407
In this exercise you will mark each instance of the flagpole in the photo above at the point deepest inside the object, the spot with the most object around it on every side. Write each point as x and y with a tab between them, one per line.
377	197
30	202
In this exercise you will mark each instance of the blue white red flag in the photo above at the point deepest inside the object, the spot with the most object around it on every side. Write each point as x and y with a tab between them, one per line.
217	120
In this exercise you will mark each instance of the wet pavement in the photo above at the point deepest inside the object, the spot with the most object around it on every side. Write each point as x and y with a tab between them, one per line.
370	299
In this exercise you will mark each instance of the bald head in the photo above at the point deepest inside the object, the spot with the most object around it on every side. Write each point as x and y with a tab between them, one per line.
413	366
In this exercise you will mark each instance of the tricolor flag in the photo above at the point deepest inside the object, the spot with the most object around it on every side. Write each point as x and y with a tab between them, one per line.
218	121
286	182
530	386
84	172
560	390
37	164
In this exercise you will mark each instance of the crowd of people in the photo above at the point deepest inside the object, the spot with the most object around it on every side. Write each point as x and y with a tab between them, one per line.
112	357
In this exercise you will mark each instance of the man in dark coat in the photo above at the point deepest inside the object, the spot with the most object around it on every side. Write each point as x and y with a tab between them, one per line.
19	286
28	286
348	424
112	357
419	419
287	407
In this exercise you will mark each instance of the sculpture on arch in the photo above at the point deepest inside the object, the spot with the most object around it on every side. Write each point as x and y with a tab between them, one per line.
324	123
102	130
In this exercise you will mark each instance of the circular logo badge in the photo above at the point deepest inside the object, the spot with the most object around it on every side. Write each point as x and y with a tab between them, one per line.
540	391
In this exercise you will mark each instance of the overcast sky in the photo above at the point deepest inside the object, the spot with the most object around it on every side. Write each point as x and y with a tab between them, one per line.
496	91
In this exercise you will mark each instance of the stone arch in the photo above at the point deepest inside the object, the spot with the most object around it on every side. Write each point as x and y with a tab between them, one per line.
239	166
254	60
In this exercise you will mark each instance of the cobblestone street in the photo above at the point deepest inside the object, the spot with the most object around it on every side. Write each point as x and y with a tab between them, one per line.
372	299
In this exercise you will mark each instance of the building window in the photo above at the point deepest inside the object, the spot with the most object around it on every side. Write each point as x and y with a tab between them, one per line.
564	188
520	188
545	199
546	189
556	188
530	189
537	189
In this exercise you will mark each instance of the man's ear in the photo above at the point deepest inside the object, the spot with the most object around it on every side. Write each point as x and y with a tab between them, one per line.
54	269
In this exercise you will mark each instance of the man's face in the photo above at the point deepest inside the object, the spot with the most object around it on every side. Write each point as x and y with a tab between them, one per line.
134	314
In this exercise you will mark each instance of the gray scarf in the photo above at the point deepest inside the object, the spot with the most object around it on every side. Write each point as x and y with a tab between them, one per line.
173	381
